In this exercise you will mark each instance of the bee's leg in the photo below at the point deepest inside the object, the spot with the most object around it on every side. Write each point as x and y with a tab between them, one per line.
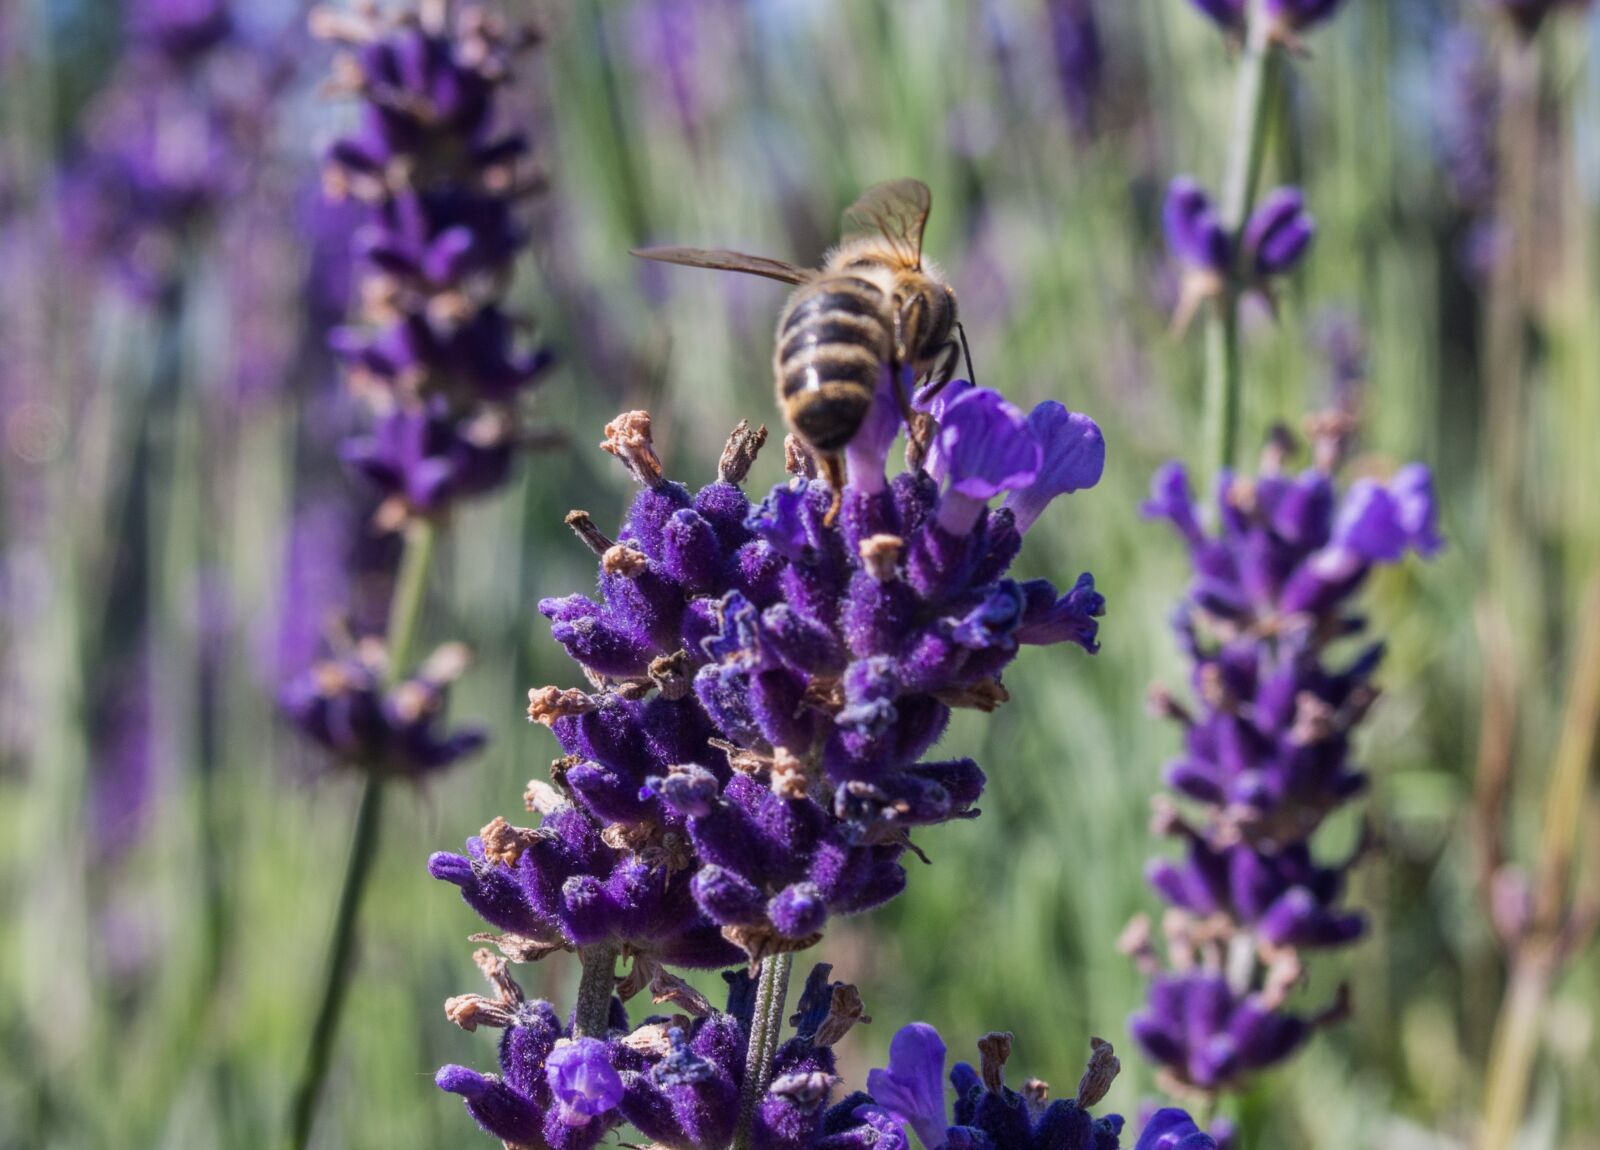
833	471
917	424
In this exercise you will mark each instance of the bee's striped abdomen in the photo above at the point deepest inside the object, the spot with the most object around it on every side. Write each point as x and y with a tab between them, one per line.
833	342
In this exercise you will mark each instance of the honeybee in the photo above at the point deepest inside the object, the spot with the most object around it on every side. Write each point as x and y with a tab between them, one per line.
874	305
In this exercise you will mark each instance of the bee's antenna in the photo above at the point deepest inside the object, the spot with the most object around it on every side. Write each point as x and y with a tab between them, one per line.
972	376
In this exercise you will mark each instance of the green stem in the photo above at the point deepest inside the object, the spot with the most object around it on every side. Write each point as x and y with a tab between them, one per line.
592	1017
1246	153
341	951
1504	351
766	1026
406	609
404	613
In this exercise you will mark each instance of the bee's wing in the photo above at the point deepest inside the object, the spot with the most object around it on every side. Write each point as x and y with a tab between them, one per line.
897	211
727	261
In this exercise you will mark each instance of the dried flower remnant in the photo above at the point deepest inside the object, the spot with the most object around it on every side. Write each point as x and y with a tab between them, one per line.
1267	752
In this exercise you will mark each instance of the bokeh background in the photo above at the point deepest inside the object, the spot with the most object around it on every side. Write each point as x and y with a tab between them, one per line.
173	516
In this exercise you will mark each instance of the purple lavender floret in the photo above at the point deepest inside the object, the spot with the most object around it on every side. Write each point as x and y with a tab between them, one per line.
1173	1129
1194	229
1278	234
1274	239
423	461
344	706
1267	750
442	182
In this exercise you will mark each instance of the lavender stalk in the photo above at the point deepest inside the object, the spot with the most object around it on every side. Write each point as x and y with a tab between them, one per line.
1267	742
437	361
748	757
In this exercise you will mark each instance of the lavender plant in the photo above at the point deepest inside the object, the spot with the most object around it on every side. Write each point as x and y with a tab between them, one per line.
749	759
1267	747
436	358
679	1080
1267	754
171	136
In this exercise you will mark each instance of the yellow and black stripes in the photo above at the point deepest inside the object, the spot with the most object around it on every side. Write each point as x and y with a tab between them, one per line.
833	344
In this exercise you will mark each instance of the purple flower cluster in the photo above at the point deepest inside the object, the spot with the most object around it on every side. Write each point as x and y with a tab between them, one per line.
432	352
1285	17
1266	752
441	181
1275	238
165	143
346	706
679	1081
1077	47
750	757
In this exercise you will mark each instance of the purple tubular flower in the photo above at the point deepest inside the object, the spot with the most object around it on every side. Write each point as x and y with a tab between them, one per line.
984	448
911	1087
676	1079
423	461
582	1080
342	706
1172	1129
1072	458
1278	233
1266	753
1195	232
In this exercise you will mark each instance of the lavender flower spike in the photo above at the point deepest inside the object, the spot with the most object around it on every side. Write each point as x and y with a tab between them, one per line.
441	180
1266	754
987	1113
1278	234
675	1078
752	752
